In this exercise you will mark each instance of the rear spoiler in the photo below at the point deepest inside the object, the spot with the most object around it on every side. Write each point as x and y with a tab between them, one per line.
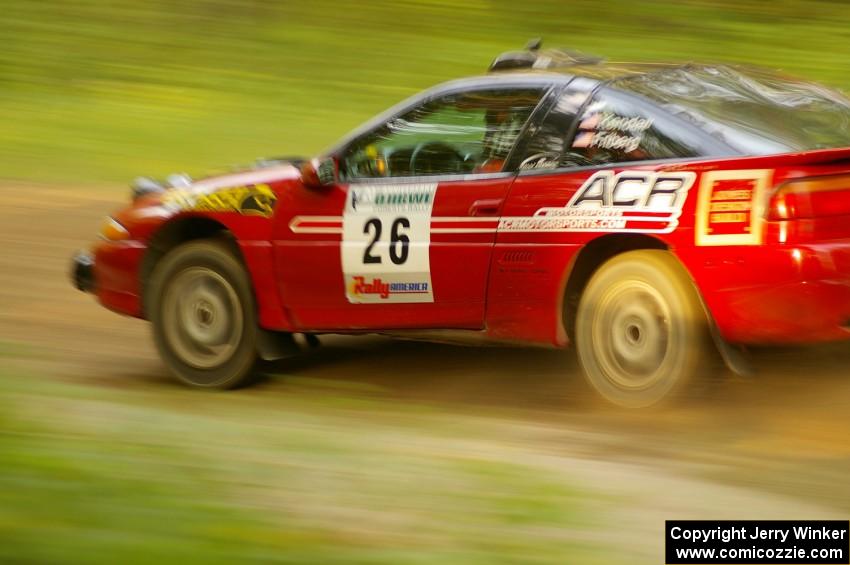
533	57
799	158
816	157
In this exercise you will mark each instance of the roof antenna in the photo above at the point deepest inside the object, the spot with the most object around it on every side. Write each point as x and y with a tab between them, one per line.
534	44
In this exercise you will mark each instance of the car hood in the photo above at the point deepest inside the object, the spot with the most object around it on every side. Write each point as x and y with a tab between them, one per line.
268	174
248	193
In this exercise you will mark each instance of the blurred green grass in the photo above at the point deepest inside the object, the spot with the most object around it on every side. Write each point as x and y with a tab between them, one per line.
102	475
97	92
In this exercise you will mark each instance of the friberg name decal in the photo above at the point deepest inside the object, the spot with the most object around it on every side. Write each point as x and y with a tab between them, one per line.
629	201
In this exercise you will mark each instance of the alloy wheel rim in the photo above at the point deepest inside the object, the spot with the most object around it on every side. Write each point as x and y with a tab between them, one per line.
632	338
203	318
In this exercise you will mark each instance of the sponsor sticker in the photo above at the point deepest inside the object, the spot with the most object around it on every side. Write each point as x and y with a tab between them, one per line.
629	201
362	288
257	200
730	208
386	239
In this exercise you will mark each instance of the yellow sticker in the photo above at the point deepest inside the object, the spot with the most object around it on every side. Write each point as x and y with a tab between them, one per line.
257	200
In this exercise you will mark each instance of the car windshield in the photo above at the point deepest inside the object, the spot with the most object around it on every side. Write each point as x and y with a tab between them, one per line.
753	111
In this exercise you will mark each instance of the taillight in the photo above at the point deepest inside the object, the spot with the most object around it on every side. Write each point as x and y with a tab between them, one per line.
811	197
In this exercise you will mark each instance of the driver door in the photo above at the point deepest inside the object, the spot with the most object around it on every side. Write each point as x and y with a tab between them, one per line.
404	239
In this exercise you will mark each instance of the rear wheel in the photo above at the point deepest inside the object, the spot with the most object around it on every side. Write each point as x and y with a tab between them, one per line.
203	315
641	331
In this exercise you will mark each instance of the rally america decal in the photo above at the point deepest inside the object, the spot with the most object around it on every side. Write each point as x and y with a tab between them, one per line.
386	239
629	201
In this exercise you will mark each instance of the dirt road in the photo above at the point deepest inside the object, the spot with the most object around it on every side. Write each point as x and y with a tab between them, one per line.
776	446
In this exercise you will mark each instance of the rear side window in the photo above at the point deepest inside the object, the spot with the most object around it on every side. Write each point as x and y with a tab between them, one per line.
545	146
616	128
755	111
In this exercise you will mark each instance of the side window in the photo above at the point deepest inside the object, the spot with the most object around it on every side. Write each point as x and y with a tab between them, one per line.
469	132
545	146
617	129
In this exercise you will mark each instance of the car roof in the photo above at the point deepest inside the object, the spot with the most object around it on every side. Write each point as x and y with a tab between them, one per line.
602	72
597	72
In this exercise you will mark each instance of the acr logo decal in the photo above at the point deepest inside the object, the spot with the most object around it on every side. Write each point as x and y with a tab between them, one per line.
629	201
257	200
730	207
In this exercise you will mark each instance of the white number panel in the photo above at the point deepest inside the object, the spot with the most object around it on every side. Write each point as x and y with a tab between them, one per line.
386	238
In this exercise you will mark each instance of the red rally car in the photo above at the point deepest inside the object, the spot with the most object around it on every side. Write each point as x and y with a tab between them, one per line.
649	214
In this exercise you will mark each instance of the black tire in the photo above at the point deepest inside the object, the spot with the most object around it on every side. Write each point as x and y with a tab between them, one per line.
641	330
204	319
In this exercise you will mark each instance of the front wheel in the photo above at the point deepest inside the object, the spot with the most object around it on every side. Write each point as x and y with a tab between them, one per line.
641	331
203	315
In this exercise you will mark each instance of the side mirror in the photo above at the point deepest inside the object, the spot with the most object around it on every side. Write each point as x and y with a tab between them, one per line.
319	173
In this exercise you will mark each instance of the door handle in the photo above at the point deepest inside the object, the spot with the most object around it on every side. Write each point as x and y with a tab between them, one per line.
487	207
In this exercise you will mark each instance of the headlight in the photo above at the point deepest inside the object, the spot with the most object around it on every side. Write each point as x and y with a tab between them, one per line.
111	230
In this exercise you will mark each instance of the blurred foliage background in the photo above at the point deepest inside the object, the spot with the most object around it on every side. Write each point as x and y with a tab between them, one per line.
98	92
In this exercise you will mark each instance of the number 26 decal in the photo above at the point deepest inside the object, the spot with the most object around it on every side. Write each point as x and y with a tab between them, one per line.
386	240
399	242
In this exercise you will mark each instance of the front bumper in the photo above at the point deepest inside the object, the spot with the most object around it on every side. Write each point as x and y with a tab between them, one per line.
110	271
82	271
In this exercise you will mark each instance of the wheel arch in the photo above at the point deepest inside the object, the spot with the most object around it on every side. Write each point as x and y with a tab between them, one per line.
589	258
177	231
603	248
252	247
